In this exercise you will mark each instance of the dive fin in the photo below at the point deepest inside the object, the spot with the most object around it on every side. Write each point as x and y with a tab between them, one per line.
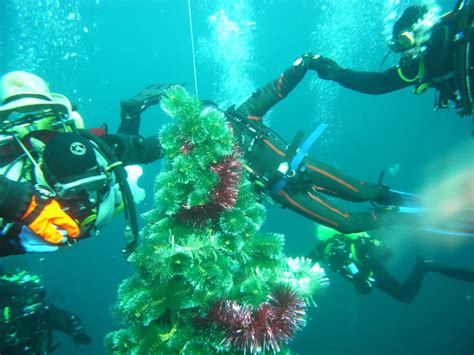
407	198
411	210
149	96
395	198
450	232
461	227
392	197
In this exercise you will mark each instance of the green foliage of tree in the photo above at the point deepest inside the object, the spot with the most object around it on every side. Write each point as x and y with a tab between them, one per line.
184	266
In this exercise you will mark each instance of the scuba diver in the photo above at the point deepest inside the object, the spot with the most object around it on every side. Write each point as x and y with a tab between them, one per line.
435	52
359	258
284	173
58	181
28	317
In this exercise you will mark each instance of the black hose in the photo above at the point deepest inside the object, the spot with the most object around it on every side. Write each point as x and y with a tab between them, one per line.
384	59
131	218
458	5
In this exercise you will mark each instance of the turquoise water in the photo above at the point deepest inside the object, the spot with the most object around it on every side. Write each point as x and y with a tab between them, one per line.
98	52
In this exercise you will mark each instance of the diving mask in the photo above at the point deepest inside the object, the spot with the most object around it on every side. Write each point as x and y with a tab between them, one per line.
88	184
22	123
402	42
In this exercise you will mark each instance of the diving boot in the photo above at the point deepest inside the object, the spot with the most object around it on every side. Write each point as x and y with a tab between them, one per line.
389	197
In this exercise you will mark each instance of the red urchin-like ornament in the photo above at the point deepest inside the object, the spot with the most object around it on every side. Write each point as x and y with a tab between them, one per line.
290	312
266	327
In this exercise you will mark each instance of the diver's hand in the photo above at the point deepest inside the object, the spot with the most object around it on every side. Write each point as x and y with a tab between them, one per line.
45	217
149	96
326	68
82	339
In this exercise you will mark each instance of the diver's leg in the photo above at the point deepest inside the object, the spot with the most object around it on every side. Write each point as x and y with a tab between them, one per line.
385	282
410	288
448	271
132	108
129	120
317	210
412	284
331	181
313	206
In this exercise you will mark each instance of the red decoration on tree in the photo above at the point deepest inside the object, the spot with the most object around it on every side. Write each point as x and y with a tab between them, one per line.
186	148
266	327
228	170
224	195
197	215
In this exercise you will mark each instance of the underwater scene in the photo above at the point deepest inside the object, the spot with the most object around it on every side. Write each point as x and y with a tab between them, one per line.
236	177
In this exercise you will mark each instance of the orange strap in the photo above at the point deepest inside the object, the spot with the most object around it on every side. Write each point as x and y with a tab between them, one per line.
307	211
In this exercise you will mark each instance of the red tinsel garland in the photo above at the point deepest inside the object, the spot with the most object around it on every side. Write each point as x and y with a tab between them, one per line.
224	195
266	327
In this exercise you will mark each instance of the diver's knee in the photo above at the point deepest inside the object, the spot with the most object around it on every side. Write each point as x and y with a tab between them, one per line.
406	299
345	228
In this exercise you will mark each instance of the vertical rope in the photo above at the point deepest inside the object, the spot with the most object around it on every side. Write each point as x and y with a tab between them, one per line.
192	48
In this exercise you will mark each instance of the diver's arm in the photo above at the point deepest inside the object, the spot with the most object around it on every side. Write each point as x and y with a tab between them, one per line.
317	253
373	83
395	78
67	323
134	149
14	198
265	98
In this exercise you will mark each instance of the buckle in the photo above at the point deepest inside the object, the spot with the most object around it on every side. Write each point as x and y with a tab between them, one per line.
283	167
45	191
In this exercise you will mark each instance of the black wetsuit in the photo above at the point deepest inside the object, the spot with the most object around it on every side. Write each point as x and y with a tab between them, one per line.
128	146
407	291
264	151
27	320
434	66
367	257
437	61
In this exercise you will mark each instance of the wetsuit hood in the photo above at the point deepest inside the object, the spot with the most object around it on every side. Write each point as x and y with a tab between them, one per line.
409	30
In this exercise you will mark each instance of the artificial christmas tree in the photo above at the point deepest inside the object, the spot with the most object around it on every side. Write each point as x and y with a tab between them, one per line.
208	280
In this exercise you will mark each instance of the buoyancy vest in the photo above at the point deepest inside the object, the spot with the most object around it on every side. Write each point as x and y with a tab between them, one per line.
89	215
445	61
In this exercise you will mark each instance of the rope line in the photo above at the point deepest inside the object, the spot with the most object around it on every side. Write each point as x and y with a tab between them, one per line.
192	48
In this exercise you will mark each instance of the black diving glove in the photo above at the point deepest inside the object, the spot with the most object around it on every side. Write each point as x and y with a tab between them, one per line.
82	339
326	68
149	96
78	333
362	286
153	150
